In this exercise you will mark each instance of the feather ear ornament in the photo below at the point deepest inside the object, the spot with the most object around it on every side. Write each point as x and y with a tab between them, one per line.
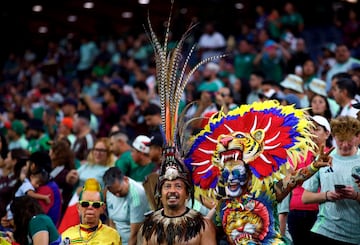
172	77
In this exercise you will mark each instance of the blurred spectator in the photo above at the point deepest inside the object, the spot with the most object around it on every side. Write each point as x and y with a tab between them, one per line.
291	99
40	165
200	112
51	61
88	52
351	29
298	57
101	67
11	67
4	149
271	60
343	63
274	24
243	60
32	226
83	105
136	124
211	42
109	112
62	161
90	87
153	119
123	193
65	130
211	82
133	70
326	60
308	72
120	147
16	135
38	138
10	179
51	122
292	20
99	160
344	90
320	106
325	106
261	17
270	90
140	155
69	107
293	84
256	78
125	101
85	138
156	147
224	98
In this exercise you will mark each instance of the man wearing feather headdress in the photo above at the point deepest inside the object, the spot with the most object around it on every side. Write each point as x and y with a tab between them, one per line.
174	223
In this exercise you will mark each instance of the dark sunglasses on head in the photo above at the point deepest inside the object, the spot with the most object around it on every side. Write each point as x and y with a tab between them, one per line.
86	204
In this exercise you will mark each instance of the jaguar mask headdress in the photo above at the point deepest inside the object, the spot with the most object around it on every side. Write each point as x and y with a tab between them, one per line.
259	137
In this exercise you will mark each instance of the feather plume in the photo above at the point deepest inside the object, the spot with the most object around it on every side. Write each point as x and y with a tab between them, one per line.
172	78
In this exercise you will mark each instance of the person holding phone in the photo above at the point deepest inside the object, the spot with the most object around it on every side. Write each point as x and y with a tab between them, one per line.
338	220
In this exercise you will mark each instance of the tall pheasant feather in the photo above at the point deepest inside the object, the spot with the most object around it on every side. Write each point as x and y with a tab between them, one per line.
171	78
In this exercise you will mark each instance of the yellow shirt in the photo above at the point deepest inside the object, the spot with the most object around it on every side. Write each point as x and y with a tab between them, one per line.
103	235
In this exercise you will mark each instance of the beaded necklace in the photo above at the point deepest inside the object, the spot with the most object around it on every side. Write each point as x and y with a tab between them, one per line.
91	237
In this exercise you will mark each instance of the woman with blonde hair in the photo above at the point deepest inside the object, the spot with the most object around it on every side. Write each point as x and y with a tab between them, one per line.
100	158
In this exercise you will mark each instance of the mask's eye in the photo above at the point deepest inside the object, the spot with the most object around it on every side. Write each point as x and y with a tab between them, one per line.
239	136
225	174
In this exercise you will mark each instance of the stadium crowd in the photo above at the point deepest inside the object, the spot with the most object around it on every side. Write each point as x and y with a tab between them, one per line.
89	108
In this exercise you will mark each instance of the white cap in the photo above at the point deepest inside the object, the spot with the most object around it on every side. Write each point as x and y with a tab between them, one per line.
322	121
318	86
55	98
293	82
142	144
211	66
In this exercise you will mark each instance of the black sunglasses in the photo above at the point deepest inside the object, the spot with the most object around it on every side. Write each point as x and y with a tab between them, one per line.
86	204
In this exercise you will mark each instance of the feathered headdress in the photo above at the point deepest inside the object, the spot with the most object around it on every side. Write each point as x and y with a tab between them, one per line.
172	78
278	131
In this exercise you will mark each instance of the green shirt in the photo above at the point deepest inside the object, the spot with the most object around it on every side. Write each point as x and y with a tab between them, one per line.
130	168
40	144
42	222
243	64
212	86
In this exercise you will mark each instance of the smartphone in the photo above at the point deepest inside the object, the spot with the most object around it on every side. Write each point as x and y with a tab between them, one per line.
3	234
339	187
355	176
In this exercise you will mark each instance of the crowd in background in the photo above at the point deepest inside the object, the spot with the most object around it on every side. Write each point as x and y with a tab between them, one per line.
81	108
